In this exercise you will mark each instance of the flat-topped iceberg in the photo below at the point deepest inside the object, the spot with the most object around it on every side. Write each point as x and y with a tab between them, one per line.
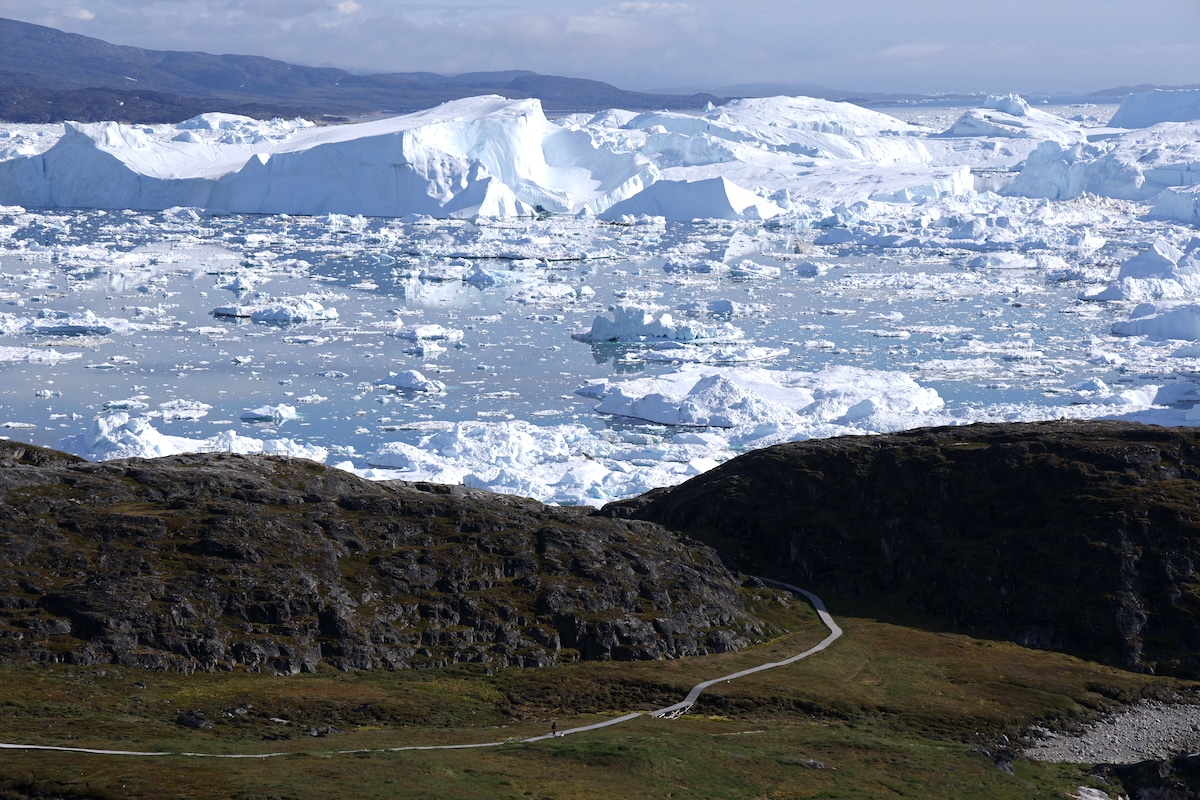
1143	109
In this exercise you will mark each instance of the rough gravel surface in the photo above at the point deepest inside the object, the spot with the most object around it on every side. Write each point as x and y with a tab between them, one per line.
1145	731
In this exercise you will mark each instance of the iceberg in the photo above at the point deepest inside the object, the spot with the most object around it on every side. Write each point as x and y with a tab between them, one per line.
1010	116
483	156
1144	109
632	322
118	435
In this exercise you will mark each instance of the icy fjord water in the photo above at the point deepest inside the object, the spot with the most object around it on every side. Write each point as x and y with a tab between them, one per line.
112	314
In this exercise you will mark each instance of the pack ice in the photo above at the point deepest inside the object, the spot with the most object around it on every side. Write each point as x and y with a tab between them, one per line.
586	308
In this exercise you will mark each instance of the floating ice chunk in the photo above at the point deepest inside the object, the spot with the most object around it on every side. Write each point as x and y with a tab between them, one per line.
713	308
811	269
428	332
751	269
280	309
183	409
698	266
32	355
414	381
483	276
551	293
633	322
86	323
280	413
131	404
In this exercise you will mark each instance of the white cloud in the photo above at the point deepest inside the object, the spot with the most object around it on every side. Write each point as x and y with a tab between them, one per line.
80	14
348	7
654	8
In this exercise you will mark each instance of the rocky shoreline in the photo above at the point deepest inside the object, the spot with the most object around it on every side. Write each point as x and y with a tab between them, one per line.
1146	731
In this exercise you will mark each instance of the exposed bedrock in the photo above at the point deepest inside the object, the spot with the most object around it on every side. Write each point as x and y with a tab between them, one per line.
220	561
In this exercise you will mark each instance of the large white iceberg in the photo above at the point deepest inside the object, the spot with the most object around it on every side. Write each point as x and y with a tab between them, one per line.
1138	165
483	156
1143	109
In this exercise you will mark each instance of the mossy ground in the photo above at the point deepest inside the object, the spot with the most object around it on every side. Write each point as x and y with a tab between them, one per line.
888	710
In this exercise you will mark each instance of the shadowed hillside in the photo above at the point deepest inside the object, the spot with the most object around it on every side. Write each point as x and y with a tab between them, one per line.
1082	536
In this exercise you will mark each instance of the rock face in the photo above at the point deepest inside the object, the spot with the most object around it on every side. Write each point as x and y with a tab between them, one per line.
1083	536
223	561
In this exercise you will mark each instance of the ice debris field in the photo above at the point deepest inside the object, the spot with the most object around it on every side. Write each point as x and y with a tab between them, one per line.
581	309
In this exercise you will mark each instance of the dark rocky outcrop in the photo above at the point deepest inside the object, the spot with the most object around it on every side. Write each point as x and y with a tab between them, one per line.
1076	535
224	561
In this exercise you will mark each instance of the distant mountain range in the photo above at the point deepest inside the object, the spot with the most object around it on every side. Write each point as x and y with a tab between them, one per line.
47	75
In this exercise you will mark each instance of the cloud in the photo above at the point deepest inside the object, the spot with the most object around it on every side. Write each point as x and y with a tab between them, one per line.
348	7
80	14
654	8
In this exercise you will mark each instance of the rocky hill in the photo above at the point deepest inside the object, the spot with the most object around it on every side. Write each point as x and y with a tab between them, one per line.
225	561
1082	536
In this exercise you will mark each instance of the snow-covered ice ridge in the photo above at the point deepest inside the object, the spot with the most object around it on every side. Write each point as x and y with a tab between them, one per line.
585	308
493	157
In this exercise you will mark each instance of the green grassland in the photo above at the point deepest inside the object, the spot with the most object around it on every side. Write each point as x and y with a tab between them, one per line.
888	710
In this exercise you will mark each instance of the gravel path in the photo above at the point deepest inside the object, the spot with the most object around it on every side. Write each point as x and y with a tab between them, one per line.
669	712
1147	730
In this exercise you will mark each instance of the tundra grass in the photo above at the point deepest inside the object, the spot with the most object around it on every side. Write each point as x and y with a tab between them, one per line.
887	710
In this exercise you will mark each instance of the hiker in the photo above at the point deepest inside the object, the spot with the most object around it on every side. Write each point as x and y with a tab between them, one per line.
554	728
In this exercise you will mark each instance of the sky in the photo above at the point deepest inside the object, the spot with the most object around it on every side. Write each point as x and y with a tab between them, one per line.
925	46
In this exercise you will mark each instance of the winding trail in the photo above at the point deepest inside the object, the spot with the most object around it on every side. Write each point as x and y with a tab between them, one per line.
669	712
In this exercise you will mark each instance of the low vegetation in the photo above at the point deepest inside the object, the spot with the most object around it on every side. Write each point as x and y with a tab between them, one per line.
889	710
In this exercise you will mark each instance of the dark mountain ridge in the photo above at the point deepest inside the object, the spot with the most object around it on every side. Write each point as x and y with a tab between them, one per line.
1073	535
47	75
